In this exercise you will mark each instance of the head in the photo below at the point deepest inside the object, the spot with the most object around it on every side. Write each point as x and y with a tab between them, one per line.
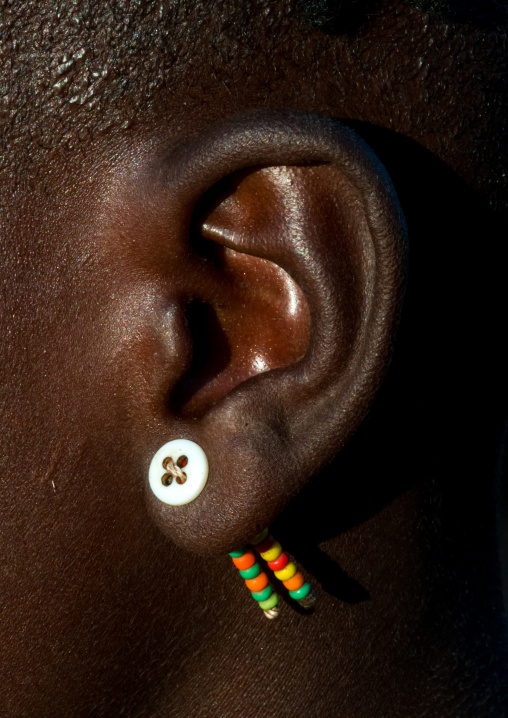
276	229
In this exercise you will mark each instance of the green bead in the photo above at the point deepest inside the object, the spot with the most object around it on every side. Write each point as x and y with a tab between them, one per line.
251	572
262	595
270	602
240	552
301	592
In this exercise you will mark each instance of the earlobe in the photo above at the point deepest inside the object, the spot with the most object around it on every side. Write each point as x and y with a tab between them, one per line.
298	199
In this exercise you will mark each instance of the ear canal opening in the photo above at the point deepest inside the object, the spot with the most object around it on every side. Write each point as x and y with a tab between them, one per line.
211	353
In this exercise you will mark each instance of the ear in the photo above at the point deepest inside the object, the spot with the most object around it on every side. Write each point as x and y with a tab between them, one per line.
276	249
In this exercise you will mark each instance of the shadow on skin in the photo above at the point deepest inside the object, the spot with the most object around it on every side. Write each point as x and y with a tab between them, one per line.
426	413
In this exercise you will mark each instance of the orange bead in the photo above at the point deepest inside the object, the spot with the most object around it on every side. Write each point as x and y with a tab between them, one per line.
246	561
258	583
294	583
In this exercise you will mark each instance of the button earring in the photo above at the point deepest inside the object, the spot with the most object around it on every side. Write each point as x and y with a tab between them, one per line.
178	472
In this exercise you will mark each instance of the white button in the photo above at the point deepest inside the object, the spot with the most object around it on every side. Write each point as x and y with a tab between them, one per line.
176	462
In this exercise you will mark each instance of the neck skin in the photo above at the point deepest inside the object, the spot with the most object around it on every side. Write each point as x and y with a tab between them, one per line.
409	623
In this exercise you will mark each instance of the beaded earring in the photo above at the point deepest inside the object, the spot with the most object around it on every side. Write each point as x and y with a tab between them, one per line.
177	475
284	570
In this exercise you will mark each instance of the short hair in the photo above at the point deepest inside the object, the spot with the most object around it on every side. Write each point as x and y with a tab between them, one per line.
345	16
71	70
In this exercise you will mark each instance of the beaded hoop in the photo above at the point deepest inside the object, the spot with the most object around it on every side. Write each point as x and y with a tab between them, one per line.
284	570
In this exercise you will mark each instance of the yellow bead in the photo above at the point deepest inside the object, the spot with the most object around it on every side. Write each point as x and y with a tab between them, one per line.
273	552
286	572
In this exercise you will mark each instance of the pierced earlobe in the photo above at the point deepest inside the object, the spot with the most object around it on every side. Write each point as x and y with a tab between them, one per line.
178	472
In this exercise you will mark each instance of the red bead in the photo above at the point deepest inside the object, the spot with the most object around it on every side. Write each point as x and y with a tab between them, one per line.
266	544
279	563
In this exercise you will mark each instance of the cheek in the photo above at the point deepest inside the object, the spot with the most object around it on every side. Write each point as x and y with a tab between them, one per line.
83	575
86	581
78	556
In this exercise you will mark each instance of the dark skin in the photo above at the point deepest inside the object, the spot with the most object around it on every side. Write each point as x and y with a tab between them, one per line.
289	241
